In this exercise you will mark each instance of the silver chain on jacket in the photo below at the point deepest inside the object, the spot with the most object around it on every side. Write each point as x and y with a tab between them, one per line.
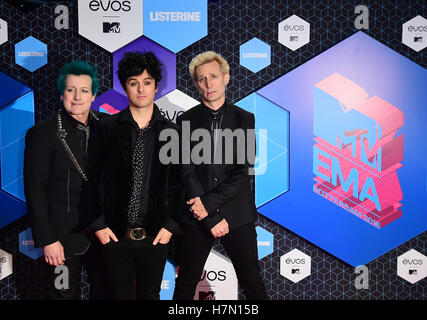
62	134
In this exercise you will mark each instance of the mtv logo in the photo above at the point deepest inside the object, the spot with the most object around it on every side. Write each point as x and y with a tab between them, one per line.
124	22
345	116
358	151
113	27
207	295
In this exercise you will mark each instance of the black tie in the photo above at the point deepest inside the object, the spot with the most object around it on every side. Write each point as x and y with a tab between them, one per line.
215	126
215	123
86	131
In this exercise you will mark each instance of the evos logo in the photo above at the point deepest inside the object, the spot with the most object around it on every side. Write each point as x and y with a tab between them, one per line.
294	32
295	265
115	5
295	261
413	262
411	266
417	28
213	275
293	28
413	32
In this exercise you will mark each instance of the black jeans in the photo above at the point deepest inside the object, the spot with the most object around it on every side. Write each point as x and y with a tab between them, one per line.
56	283
193	248
128	260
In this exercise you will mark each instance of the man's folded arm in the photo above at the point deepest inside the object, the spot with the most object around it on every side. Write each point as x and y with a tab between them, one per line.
239	178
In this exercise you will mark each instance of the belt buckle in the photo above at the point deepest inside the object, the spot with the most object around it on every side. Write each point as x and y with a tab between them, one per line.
131	233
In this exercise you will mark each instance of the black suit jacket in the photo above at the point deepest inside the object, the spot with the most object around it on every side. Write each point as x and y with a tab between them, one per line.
58	200
225	189
165	192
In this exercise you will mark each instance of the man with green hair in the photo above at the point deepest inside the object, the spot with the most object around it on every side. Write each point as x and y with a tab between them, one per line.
60	175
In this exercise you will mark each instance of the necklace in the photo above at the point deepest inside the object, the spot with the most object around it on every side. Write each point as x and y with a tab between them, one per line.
62	134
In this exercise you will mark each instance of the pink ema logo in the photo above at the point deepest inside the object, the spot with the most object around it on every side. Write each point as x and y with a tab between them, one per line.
356	152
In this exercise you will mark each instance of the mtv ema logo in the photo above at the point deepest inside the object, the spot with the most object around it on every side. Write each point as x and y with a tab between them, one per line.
357	151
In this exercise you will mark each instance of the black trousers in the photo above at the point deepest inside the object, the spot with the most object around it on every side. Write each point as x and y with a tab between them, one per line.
193	248
128	260
63	283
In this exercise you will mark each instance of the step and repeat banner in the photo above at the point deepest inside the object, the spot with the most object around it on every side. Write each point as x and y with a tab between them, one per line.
339	94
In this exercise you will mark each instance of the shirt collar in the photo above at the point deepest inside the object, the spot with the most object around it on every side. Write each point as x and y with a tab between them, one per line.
74	122
223	109
126	116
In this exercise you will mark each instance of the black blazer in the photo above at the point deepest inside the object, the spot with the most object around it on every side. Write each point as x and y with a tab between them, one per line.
165	192
58	200
225	189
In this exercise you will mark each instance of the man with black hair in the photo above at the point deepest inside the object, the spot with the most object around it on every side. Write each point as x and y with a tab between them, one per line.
141	194
60	175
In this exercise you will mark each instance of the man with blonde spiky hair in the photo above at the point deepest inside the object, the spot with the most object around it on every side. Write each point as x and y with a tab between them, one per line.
206	57
220	200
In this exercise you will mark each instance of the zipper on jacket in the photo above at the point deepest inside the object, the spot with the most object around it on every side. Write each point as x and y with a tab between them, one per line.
68	190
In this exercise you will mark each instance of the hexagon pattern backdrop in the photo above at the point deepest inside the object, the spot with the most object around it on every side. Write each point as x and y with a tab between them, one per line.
291	63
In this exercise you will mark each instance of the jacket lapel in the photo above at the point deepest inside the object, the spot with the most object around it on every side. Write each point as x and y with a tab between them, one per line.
70	127
200	120
156	167
123	137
